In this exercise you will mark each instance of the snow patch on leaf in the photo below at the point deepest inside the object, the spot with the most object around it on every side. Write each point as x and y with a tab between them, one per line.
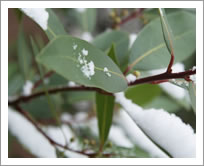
27	88
107	71
131	78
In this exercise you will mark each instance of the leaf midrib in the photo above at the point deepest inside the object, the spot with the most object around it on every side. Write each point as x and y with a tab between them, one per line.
156	48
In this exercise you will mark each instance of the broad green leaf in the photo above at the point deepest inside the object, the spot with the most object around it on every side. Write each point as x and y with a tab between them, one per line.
192	93
38	108
143	94
149	50
86	18
112	55
165	103
104	108
24	54
122	152
64	55
120	40
54	27
167	32
15	84
74	97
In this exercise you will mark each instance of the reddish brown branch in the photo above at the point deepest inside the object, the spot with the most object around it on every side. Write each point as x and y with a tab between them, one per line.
52	142
169	69
164	76
56	90
37	83
133	15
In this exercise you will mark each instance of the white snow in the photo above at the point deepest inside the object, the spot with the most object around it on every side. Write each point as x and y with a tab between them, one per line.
107	71
167	130
88	69
85	52
39	15
132	38
193	78
137	136
173	90
118	137
32	139
27	134
27	88
72	84
80	10
75	46
87	36
131	78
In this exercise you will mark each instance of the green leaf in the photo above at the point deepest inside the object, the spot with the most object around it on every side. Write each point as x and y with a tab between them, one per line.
149	50
54	26
112	55
121	41
167	32
87	19
104	108
143	94
123	152
74	97
24	54
15	84
165	103
192	93
62	56
35	48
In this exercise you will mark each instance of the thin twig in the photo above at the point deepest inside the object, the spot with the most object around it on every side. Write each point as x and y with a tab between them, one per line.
56	90
37	83
52	142
163	76
133	15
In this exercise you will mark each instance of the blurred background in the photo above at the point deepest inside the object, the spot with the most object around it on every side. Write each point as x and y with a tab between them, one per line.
76	109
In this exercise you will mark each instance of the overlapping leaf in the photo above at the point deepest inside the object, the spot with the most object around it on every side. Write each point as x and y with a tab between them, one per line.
192	92
149	50
64	55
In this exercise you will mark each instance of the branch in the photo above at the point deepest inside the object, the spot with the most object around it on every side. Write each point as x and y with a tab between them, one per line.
133	15
163	76
52	142
56	90
48	74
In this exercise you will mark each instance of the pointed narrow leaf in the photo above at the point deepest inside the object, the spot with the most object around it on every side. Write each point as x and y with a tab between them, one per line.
112	55
24	54
79	61
167	32
47	20
149	50
120	40
34	46
104	108
192	93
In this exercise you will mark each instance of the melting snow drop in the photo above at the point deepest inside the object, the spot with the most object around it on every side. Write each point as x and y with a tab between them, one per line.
106	71
39	15
85	52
